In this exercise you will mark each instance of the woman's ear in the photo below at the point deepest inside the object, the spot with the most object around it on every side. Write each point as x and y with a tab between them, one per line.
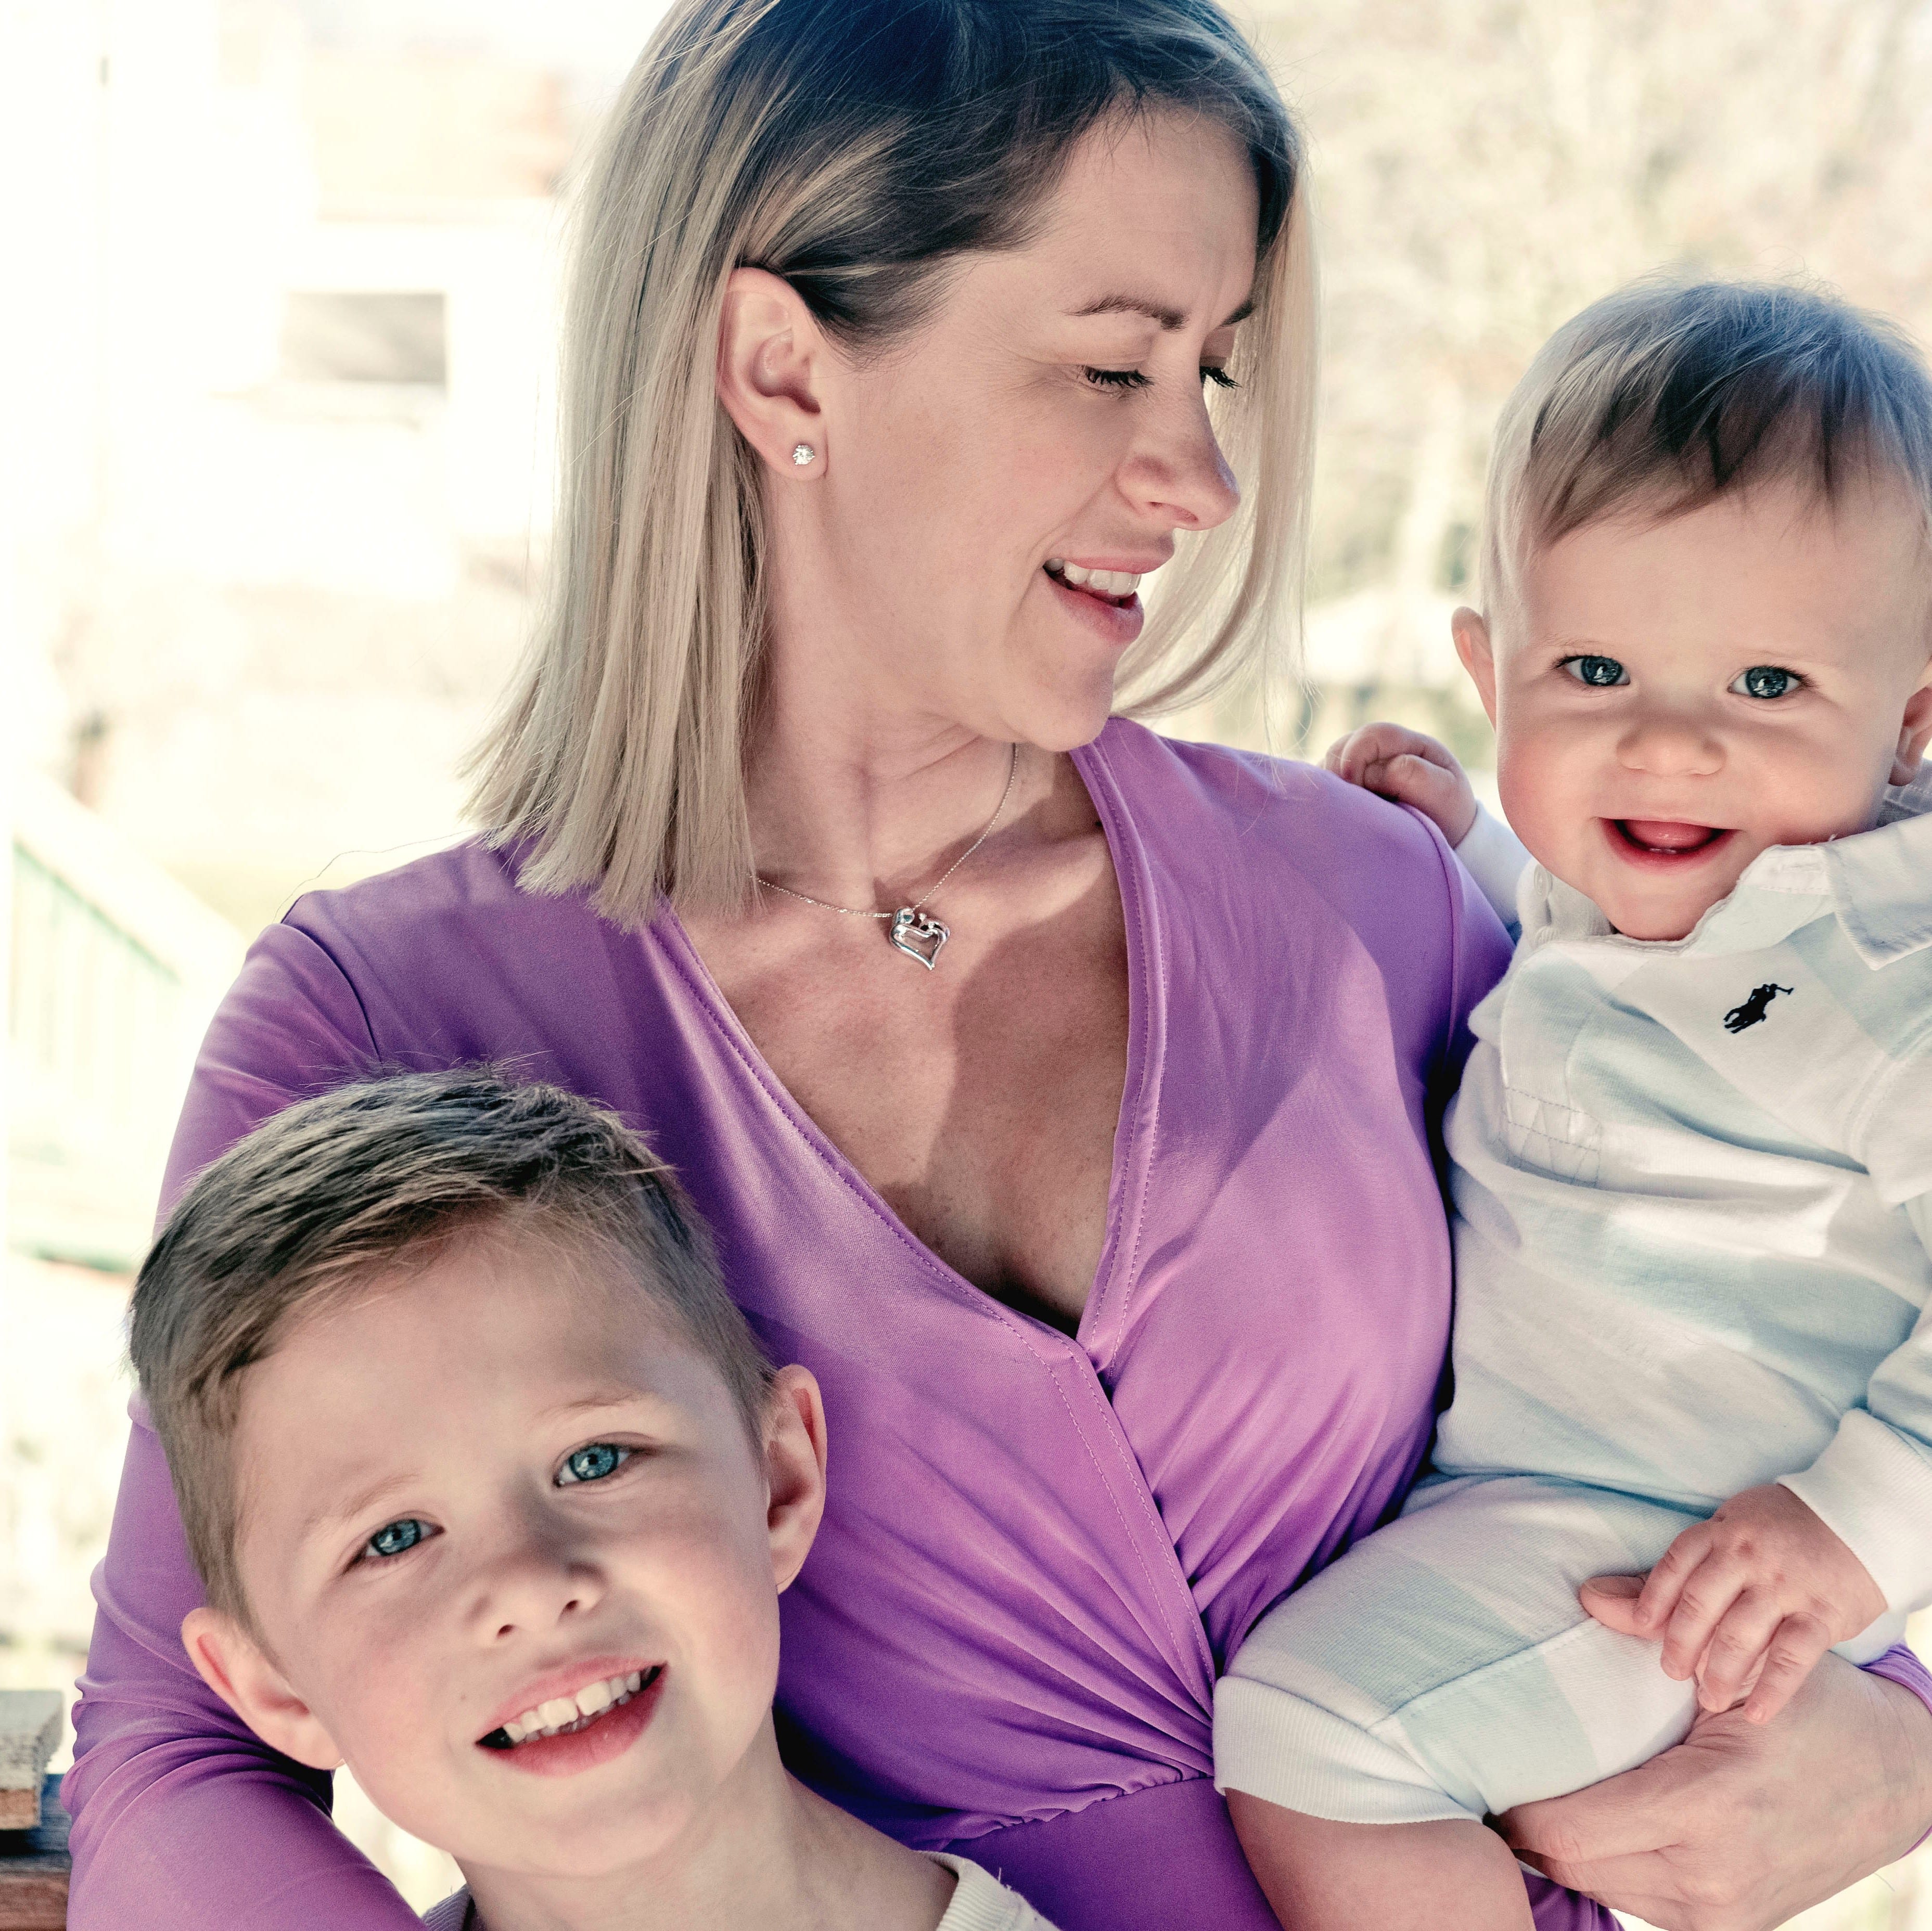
1915	732
794	1470
771	353
1472	633
239	1671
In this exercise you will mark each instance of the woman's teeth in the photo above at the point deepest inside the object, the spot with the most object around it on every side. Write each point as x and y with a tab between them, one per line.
1102	583
572	1713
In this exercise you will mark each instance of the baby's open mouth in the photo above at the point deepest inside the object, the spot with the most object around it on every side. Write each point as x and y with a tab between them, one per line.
1117	587
1667	837
562	1716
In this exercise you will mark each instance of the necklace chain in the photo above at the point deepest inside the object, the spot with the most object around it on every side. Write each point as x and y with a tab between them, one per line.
855	912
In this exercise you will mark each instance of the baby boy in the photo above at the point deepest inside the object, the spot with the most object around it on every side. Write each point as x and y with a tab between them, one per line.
493	1496
1691	1157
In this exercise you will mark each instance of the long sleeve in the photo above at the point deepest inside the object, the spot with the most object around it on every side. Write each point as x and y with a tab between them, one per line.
183	1818
1496	859
1872	1486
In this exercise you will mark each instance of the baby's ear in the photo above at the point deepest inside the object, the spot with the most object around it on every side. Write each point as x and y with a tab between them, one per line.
242	1673
1470	630
794	1469
1915	732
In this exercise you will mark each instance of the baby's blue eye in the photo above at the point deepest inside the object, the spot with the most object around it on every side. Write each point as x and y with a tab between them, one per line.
1600	671
393	1539
1765	680
593	1464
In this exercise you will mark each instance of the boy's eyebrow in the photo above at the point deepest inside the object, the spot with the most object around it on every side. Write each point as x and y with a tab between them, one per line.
326	1514
1168	319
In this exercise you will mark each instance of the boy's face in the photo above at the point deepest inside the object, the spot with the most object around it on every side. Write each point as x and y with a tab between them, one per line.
1671	699
500	1485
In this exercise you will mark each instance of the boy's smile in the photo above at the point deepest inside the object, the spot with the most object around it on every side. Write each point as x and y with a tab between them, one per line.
1672	698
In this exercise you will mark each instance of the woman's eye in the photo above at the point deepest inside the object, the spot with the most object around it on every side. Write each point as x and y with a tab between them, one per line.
1765	680
1219	377
593	1464
395	1537
1115	378
1600	672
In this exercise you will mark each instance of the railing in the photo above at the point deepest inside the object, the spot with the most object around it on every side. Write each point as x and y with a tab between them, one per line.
113	970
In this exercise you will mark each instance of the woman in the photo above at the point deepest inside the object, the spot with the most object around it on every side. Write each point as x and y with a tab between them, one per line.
1064	1098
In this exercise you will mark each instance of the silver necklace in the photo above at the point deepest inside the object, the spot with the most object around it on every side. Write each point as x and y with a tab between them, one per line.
912	929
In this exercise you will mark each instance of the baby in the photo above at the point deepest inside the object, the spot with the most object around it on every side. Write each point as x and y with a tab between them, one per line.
1691	1158
493	1497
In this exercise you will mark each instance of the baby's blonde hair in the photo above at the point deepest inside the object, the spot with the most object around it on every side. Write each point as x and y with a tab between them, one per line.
856	148
1669	393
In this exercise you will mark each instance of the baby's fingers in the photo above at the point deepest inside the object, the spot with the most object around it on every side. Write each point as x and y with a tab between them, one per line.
1702	1602
1737	1650
1657	1601
1794	1653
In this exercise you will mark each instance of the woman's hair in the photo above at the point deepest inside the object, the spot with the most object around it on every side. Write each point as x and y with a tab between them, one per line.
1669	393
855	148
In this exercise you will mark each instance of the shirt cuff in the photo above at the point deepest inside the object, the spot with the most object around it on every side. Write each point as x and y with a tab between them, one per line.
1496	859
1872	1488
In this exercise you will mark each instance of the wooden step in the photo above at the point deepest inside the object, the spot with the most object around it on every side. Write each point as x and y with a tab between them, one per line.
30	1733
34	1868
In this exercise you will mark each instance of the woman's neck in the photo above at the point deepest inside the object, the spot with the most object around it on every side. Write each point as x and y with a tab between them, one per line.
767	1851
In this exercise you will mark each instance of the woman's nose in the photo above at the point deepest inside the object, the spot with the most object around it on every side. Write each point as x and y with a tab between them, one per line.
1666	742
1176	470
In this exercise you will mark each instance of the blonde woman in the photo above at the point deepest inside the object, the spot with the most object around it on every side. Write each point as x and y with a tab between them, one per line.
1065	1097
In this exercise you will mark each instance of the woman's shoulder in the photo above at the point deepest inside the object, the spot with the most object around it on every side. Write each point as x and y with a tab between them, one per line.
1212	811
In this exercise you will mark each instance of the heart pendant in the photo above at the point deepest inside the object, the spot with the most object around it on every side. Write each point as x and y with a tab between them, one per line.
913	931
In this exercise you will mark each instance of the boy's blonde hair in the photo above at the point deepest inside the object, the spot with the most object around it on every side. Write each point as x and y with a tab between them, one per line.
855	147
337	1190
1667	395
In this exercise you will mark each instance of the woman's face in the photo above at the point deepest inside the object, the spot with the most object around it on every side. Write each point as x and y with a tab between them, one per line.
1048	421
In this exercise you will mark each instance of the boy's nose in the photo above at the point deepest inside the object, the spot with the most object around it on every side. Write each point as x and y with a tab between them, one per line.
531	1586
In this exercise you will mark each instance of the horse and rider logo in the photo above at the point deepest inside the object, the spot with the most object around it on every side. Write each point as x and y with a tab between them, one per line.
1752	1012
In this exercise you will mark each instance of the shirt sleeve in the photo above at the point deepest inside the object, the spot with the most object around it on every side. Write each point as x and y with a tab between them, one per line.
1873	1485
182	1817
1496	859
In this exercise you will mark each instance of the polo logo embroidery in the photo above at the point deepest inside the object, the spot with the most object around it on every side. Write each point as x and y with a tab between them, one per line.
1752	1012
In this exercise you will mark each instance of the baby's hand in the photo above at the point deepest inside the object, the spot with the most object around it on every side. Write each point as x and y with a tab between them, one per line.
1747	1602
1413	769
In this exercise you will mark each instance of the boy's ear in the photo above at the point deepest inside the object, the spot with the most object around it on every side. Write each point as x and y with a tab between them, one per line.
239	1671
1915	732
794	1470
1472	633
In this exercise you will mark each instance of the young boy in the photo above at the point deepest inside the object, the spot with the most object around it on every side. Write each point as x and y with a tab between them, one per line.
493	1497
1691	1154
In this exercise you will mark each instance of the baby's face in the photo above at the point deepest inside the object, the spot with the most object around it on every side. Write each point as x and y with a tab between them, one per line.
1671	699
514	1559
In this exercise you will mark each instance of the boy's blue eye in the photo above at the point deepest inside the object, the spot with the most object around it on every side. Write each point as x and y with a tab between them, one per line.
1765	680
394	1537
1602	672
593	1463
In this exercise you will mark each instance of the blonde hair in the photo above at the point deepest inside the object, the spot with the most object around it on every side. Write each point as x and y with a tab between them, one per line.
1669	393
853	147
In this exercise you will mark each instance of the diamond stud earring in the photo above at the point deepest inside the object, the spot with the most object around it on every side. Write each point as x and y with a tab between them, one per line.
804	453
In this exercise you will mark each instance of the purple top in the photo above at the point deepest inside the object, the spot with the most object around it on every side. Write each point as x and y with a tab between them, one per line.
1039	1550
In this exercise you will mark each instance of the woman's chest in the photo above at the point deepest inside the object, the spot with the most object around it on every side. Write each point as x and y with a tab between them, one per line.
979	1100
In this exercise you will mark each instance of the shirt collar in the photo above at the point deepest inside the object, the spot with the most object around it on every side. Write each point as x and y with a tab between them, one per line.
1878	884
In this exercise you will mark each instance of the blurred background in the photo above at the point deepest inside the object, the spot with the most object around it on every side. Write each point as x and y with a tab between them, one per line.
282	280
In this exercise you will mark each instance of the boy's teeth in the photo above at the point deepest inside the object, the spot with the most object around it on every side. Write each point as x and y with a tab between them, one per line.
565	1713
1109	583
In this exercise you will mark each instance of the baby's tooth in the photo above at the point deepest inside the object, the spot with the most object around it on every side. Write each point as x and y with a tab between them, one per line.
634	1681
593	1698
515	1732
558	1711
531	1719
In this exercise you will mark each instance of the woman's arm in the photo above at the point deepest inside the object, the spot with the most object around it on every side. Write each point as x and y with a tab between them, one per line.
182	1818
1744	1824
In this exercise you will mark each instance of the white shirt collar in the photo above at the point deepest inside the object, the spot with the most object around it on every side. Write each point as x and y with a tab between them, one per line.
1878	883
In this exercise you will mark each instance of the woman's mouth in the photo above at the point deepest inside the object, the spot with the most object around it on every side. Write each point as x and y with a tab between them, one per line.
1106	600
1666	841
564	1734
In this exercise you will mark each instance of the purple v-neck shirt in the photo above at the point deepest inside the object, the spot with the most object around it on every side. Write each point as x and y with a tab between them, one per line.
1039	1550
